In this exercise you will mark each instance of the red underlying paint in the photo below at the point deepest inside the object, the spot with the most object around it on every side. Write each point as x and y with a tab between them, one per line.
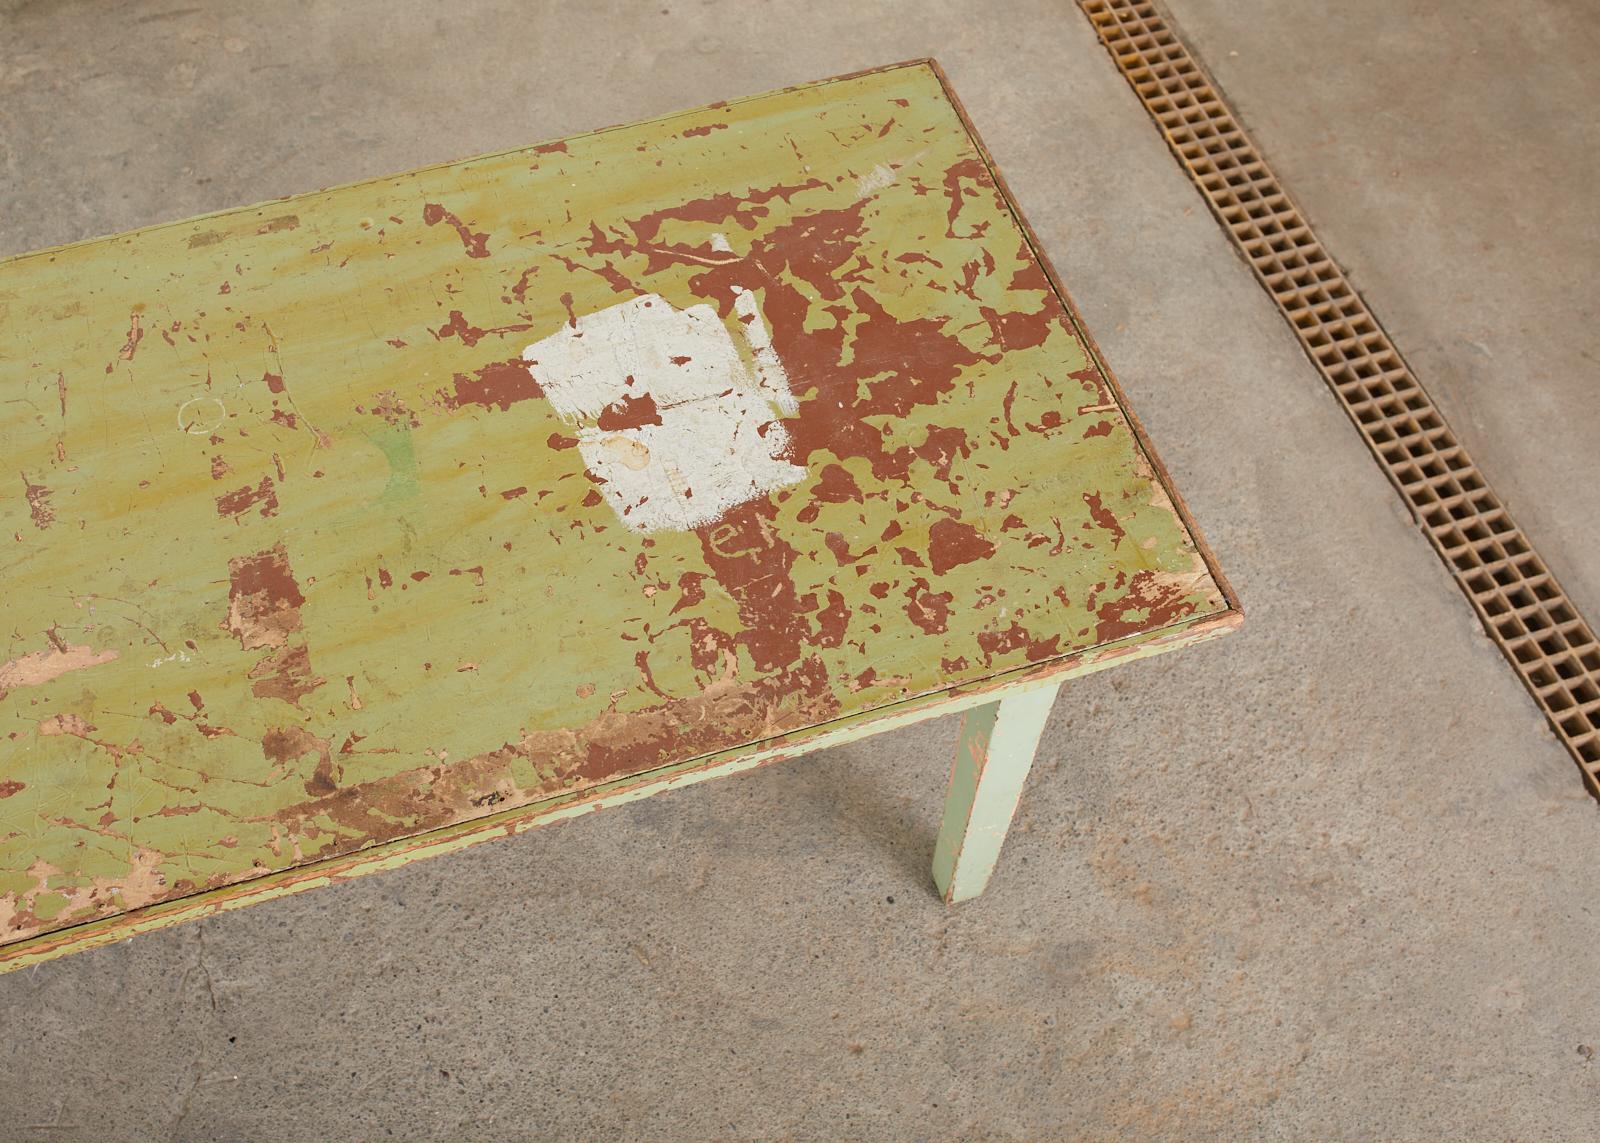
1016	331
286	744
285	674
833	621
470	335
952	543
496	386
753	564
135	335
38	503
1016	638
709	648
691	584
1162	604
476	244
264	600
458	326
943	448
928	609
241	500
1104	518
628	412
835	485
610	745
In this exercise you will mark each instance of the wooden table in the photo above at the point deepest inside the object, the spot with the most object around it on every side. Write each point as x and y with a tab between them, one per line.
372	523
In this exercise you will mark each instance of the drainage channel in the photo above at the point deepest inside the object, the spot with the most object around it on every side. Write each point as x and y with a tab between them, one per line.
1522	607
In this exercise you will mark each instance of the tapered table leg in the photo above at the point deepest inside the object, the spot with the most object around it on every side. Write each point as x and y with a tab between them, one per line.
992	761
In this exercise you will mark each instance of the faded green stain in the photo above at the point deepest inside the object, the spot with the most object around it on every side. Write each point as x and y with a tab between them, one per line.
395	444
302	561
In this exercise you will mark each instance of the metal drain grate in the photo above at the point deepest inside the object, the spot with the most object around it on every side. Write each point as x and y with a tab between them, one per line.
1522	607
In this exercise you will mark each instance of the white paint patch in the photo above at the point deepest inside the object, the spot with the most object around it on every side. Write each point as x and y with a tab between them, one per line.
720	442
874	180
769	370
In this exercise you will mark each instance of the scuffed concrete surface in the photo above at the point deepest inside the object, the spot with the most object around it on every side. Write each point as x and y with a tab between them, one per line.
1327	878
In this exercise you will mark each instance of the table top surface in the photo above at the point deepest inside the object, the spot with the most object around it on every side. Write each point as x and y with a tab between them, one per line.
351	516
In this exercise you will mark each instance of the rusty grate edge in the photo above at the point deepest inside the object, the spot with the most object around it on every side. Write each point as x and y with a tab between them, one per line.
1521	606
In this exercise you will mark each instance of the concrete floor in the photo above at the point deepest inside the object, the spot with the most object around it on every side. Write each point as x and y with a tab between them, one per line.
1328	878
1452	164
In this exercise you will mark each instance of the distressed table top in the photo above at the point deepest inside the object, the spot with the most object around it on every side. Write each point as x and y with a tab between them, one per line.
345	520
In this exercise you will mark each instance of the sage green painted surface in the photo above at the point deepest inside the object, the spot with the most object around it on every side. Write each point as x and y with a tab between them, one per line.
993	757
508	823
302	563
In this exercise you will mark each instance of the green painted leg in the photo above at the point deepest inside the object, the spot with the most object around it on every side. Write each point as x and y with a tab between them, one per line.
992	761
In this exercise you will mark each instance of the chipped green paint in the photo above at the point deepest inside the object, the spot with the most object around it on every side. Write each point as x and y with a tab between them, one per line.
309	574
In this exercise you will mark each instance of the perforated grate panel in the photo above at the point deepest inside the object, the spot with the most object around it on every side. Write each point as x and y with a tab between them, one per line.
1522	607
